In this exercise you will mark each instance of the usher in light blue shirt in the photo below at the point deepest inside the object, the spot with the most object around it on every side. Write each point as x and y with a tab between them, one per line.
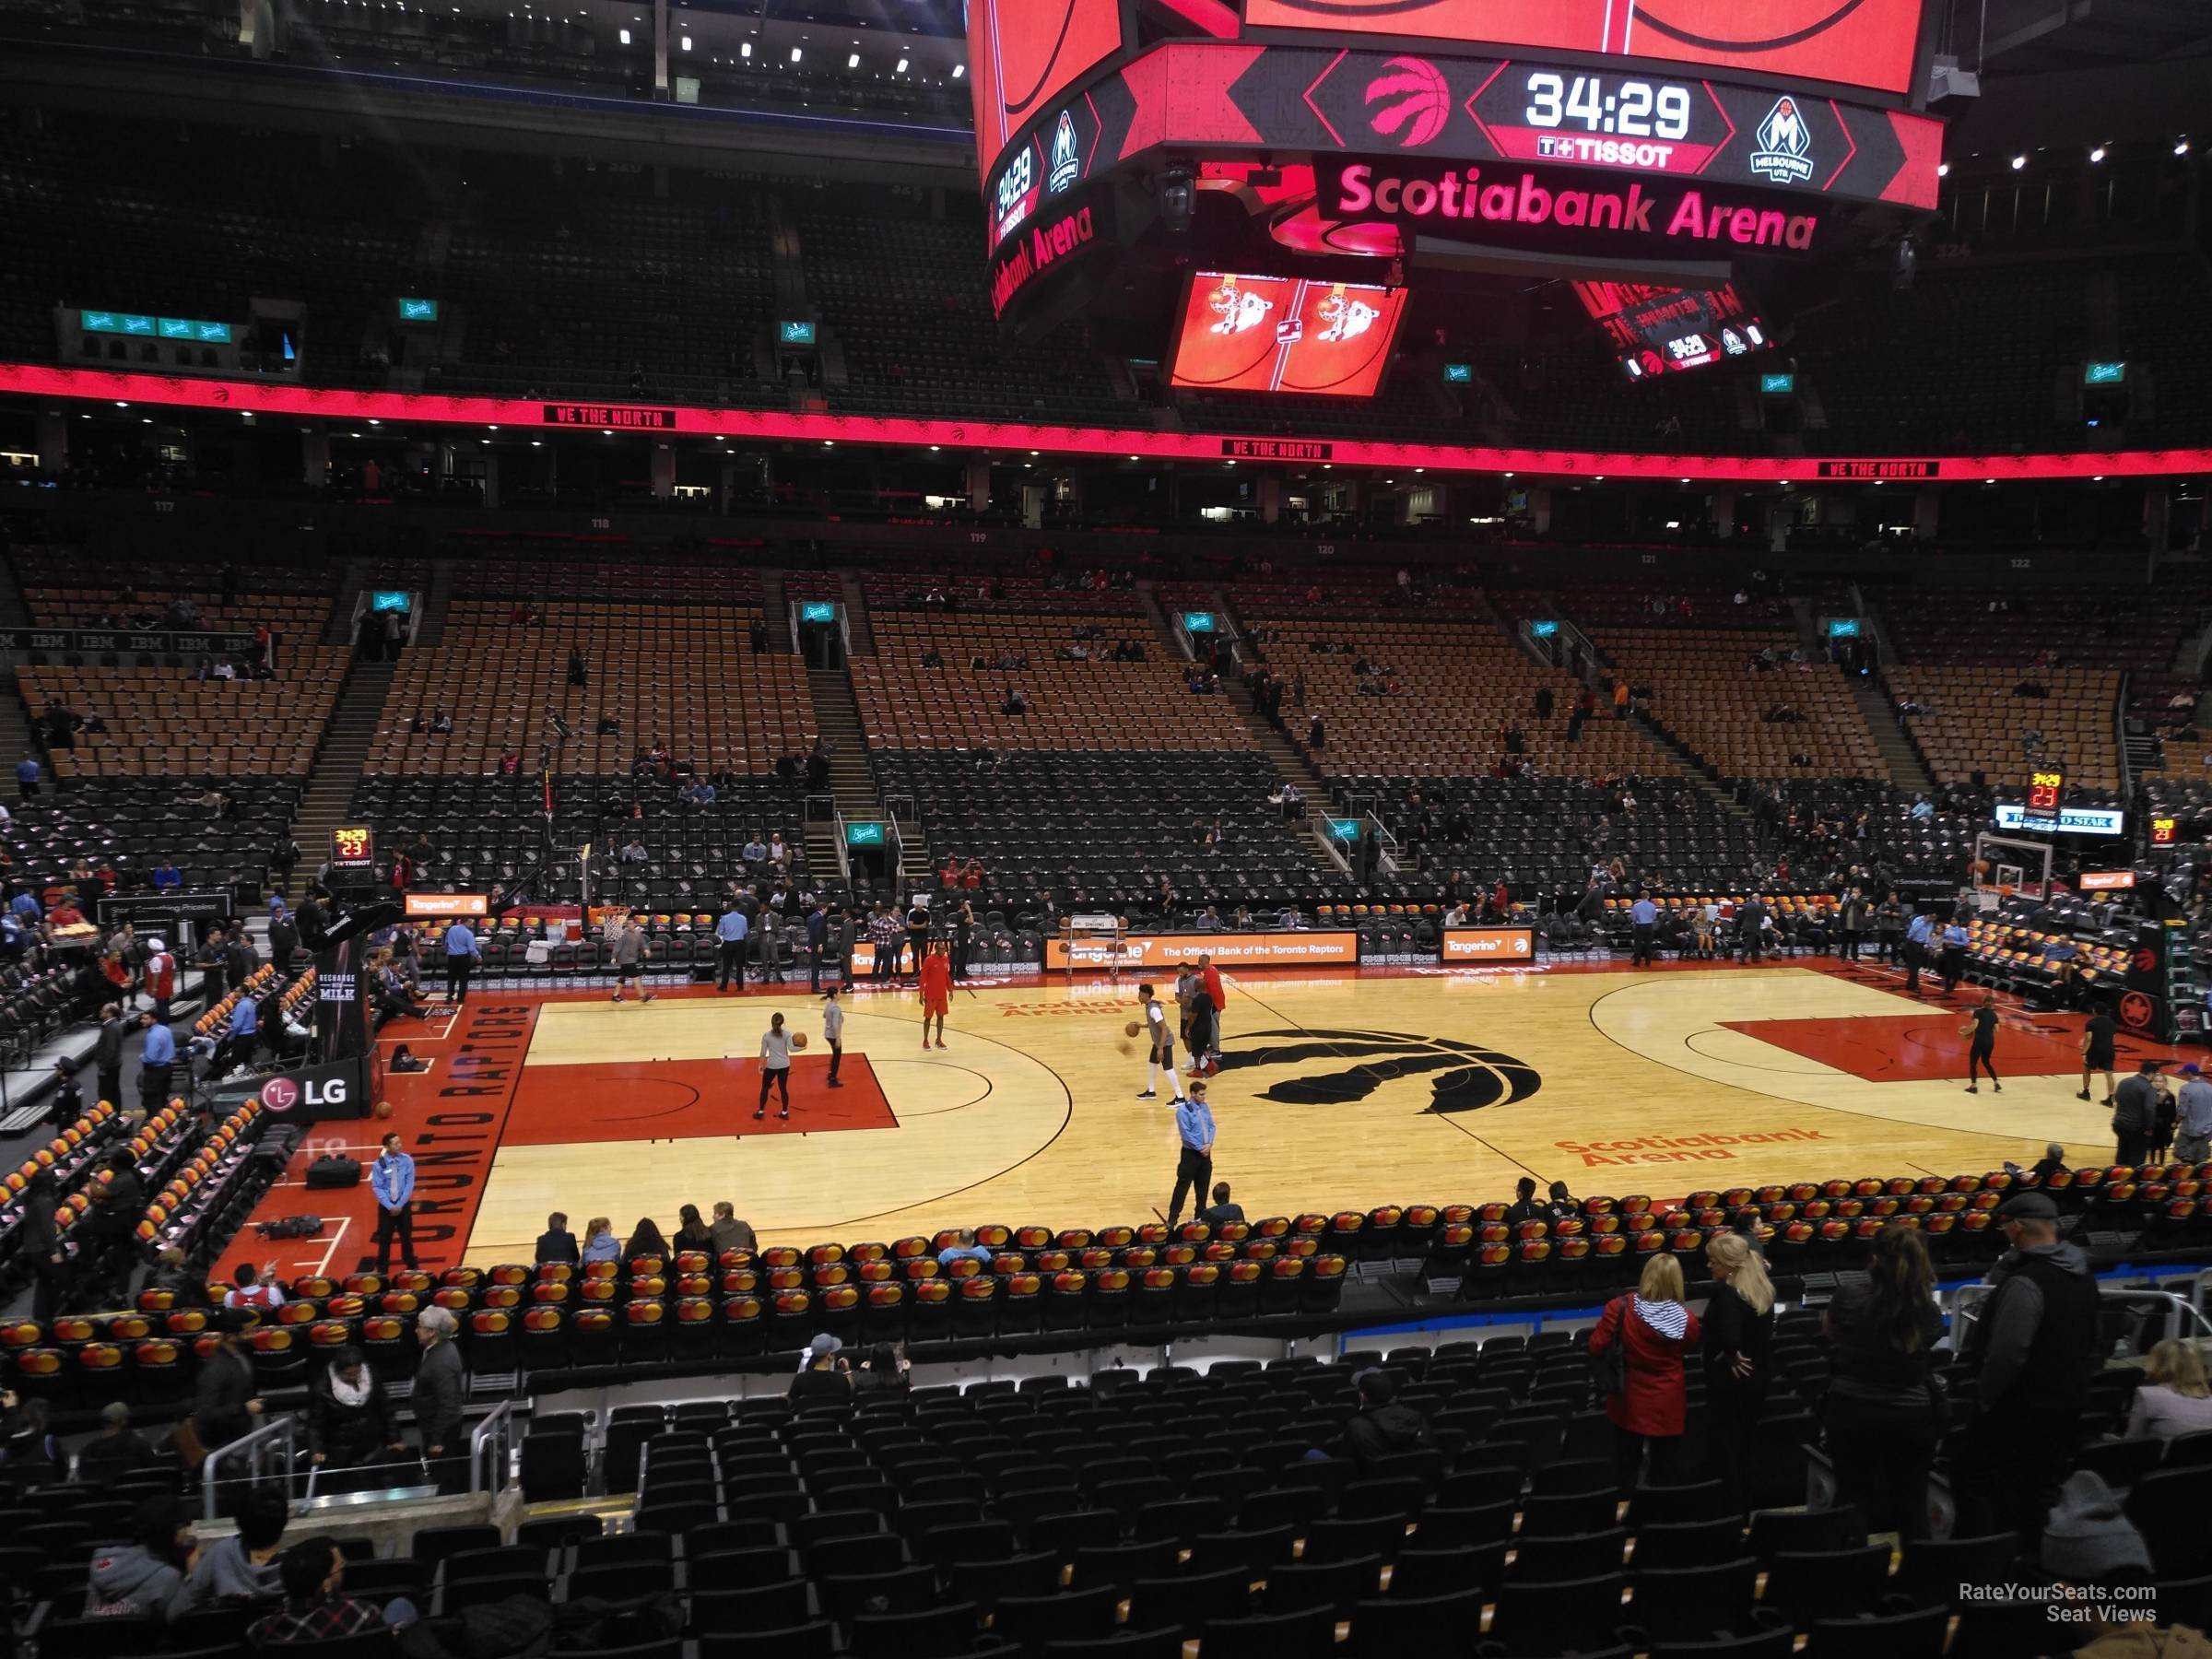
1643	912
161	1046
731	928
1194	1123
1920	930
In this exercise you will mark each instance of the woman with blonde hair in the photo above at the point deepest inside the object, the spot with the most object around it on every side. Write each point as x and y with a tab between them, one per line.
599	1242
1638	1343
2174	1398
1738	1330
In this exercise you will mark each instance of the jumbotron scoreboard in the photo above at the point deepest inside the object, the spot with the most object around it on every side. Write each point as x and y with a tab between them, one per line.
1275	178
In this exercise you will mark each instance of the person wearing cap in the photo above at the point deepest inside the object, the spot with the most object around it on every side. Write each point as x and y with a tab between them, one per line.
2136	1115
161	978
2192	1122
823	1378
2031	1350
2091	1541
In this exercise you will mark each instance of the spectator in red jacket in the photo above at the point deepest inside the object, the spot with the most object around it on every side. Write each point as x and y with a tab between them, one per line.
1653	1330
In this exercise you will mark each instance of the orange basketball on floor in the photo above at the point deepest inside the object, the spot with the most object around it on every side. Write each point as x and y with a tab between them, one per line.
798	1040
1132	1028
383	1108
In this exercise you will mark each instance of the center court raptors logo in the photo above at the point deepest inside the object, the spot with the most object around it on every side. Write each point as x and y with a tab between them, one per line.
1411	101
1785	155
1295	1068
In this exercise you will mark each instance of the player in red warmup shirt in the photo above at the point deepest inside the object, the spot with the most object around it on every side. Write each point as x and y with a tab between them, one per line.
936	991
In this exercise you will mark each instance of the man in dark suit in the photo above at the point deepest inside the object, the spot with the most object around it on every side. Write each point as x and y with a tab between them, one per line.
557	1243
438	1390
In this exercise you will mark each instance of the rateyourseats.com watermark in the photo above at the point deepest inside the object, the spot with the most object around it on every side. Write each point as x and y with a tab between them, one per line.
2073	1603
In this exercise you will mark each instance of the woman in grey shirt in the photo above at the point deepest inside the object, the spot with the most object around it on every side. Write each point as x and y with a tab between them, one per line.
775	1066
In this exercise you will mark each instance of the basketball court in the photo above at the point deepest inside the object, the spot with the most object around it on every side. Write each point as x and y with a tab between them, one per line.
1338	1089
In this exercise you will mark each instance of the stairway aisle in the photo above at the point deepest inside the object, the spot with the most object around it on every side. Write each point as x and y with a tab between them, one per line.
1906	769
329	799
851	785
862	637
1290	765
430	627
776	611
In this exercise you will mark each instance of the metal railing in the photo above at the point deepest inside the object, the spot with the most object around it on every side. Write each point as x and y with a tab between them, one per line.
491	1449
269	1452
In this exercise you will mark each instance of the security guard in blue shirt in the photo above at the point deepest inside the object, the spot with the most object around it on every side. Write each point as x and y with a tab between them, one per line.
1954	956
1643	917
1920	934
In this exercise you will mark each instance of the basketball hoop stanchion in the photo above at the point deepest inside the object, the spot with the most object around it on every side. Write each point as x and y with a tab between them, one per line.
1093	936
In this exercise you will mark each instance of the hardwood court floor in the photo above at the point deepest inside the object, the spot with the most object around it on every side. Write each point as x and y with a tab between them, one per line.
1338	1090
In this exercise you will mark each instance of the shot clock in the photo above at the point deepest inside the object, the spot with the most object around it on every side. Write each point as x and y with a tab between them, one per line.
2045	789
1600	103
353	849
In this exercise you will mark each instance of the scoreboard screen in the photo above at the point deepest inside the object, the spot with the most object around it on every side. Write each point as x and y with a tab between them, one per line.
1020	54
2045	790
1850	43
1655	331
353	847
1284	333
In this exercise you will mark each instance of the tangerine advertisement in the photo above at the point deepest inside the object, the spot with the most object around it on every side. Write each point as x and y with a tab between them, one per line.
1851	42
1284	333
1490	944
1168	950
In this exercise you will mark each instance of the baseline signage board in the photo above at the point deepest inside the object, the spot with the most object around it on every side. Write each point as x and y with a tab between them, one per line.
101	639
1227	949
2105	881
2069	820
422	907
151	912
1488	945
976	437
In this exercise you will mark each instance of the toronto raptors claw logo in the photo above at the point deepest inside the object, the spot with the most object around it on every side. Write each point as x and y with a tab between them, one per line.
1300	1068
1409	101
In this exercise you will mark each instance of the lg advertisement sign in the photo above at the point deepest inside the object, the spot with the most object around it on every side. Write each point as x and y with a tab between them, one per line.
315	1093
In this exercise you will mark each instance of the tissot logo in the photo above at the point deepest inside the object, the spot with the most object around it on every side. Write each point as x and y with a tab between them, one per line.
1332	1067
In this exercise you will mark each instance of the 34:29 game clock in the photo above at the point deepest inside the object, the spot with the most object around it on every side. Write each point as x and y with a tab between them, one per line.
353	847
2045	790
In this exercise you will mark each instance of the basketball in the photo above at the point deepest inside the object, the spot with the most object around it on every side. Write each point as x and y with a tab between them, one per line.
383	1108
1130	1030
798	1040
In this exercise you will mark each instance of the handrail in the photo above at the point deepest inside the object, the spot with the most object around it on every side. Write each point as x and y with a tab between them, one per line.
495	1434
282	1432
